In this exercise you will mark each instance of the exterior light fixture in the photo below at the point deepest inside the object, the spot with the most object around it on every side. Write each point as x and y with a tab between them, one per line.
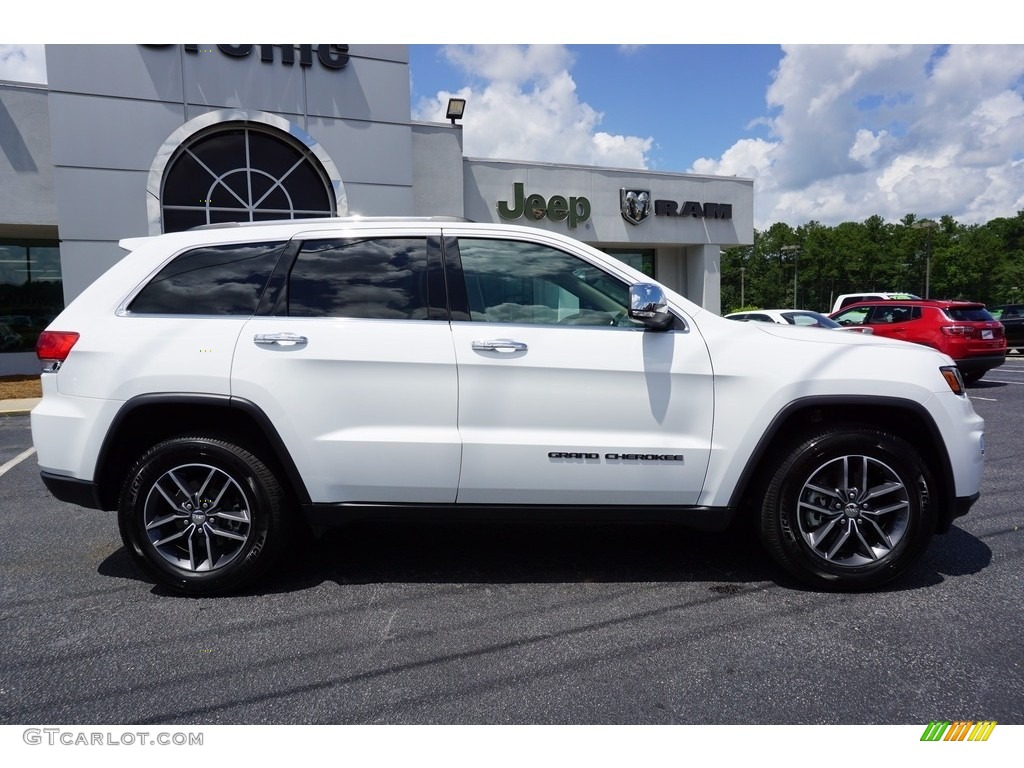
455	109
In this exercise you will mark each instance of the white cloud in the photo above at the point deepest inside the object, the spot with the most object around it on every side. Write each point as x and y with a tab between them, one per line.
525	107
888	130
865	145
752	158
23	63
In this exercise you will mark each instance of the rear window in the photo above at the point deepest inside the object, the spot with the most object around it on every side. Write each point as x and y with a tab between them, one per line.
213	280
969	314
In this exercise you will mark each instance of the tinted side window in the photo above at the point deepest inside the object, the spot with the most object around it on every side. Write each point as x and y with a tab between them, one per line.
509	281
892	313
381	278
214	280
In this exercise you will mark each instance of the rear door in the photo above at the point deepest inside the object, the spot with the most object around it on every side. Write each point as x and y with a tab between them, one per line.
351	358
563	399
900	321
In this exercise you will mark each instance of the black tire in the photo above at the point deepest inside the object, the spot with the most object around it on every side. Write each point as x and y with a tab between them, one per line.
832	527
202	516
973	377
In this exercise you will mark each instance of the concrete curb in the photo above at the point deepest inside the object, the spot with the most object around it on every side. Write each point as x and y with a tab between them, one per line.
12	407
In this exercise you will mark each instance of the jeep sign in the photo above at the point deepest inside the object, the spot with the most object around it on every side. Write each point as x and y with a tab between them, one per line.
575	209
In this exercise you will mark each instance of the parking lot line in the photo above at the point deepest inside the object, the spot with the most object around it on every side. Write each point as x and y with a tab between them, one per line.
15	461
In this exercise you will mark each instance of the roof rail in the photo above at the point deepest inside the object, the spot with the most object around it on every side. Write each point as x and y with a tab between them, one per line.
328	220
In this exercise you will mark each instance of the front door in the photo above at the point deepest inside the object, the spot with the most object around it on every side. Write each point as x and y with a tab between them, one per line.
563	399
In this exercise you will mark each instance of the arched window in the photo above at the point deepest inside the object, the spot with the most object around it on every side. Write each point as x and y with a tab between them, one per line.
243	172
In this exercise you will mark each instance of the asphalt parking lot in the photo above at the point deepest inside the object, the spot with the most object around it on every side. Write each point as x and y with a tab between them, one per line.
523	623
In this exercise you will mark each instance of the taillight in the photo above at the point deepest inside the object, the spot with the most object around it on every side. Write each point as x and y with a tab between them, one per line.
957	330
53	347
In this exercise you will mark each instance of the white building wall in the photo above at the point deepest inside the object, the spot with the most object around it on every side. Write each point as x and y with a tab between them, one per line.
437	170
27	208
113	107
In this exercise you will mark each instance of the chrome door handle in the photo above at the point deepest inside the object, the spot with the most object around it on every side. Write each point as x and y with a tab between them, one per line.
499	345
283	339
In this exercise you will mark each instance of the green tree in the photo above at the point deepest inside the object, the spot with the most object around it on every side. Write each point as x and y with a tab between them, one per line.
979	262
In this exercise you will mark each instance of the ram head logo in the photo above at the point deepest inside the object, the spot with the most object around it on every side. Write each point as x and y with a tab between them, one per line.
635	204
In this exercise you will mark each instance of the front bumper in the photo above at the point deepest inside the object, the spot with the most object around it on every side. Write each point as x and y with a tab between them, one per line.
84	493
959	507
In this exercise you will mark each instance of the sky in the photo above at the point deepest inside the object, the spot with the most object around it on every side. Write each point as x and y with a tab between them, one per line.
829	131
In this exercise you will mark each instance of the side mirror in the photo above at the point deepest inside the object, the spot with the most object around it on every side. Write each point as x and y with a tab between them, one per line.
647	305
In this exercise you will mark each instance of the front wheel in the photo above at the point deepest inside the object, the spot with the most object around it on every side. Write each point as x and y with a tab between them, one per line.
202	516
848	509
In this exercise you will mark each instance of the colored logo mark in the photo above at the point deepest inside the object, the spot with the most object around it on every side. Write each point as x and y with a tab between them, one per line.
960	730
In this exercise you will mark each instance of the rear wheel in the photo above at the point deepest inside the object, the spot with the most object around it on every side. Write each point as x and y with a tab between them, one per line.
848	509
202	516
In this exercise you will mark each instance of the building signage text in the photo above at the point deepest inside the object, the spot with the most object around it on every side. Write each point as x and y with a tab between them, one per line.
693	208
575	209
329	56
636	205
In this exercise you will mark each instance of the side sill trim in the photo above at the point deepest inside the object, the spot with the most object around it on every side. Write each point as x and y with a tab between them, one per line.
710	519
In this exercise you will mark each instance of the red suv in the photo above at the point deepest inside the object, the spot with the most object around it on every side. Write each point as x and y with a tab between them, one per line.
964	330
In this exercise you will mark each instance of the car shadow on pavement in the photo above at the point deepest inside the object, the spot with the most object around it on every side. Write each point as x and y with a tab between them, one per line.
983	384
957	553
532	552
550	553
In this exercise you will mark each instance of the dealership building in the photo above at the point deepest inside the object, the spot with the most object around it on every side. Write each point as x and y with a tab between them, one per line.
132	140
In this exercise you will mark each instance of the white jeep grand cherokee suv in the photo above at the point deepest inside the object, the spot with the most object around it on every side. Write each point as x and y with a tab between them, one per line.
220	385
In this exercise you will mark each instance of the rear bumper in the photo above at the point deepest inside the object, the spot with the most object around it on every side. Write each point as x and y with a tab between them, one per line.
980	363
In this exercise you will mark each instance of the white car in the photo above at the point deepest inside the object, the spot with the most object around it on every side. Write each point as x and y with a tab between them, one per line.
802	317
846	299
219	386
